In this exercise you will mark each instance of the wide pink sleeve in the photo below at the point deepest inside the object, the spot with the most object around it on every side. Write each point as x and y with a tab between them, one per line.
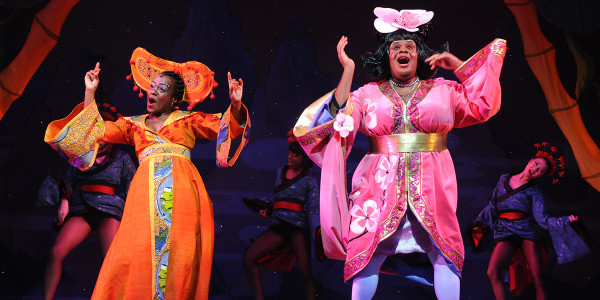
479	96
329	149
314	130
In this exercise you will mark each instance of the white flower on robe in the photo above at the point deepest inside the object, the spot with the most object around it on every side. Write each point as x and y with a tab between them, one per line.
370	117
385	175
344	124
365	217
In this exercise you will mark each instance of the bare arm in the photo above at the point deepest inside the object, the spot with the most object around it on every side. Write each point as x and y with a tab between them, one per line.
342	92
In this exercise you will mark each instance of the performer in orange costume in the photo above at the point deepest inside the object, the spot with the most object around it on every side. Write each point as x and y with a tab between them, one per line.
164	247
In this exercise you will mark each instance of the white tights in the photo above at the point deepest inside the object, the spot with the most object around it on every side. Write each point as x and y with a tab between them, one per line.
445	282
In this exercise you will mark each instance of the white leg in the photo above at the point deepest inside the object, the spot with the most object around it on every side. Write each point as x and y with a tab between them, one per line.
445	282
365	282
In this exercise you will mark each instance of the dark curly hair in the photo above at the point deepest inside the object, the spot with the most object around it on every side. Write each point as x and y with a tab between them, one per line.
178	84
377	64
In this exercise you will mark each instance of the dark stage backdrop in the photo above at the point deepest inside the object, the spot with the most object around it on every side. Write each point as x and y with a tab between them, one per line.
285	52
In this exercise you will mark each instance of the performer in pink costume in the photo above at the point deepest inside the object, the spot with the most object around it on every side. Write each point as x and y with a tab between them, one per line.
403	196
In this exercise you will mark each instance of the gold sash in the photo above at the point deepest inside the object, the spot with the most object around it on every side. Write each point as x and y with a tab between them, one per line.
164	149
408	142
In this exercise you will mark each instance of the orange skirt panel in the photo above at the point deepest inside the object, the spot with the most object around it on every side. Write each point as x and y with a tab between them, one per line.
128	269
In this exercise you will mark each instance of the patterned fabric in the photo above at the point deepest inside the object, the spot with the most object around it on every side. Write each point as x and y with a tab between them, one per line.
163	206
116	173
164	246
386	185
224	142
67	135
198	78
305	191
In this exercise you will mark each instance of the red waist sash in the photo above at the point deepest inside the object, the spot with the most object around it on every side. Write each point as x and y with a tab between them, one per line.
288	205
98	189
513	215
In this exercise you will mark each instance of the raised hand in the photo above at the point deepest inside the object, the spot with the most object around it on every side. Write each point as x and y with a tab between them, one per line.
91	84
342	56
236	88
445	60
91	78
342	92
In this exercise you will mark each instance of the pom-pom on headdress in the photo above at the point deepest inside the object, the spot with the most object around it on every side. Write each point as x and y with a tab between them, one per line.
557	161
197	77
389	20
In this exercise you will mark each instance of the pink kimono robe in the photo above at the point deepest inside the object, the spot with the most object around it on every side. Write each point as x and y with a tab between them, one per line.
386	185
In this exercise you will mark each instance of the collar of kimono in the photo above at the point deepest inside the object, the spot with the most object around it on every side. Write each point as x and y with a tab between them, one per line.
285	183
510	191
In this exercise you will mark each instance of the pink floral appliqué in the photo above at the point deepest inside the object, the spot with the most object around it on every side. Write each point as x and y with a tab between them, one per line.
344	124
389	20
365	217
369	108
385	175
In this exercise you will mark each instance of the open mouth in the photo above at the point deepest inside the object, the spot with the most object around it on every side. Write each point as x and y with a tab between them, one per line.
403	60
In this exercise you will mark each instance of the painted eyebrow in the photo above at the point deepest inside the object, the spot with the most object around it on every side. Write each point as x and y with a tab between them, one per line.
406	41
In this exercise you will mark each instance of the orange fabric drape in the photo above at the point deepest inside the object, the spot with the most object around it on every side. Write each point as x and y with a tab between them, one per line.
541	57
42	37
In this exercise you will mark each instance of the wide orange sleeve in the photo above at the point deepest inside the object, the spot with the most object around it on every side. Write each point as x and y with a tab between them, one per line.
75	137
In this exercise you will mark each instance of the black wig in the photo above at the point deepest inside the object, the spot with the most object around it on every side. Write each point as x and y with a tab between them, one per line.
377	64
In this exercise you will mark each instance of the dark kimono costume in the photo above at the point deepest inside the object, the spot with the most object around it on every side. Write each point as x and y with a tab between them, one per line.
295	206
302	190
528	202
529	199
103	187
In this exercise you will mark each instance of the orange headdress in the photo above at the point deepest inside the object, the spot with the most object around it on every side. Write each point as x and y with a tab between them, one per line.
197	77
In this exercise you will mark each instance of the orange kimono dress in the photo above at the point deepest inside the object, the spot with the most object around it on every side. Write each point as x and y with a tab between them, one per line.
164	246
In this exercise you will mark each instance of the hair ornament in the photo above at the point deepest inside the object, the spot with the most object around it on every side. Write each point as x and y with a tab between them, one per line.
198	78
389	20
557	161
291	137
109	112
